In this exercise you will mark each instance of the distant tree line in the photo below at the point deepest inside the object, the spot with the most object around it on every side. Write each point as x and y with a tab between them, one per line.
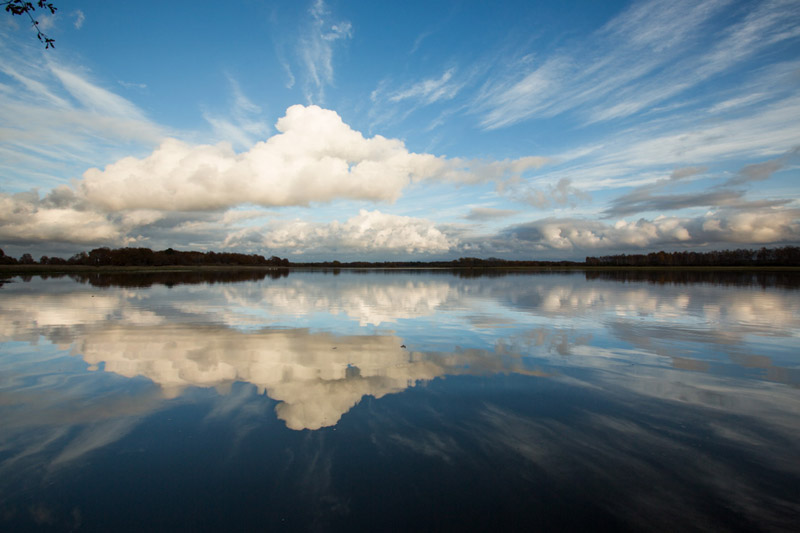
785	256
463	262
147	257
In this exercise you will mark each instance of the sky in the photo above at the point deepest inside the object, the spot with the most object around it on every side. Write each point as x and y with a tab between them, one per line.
326	130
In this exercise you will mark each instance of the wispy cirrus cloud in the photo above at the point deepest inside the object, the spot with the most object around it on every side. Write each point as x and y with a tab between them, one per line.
95	98
241	124
316	48
430	90
641	156
57	120
645	56
79	19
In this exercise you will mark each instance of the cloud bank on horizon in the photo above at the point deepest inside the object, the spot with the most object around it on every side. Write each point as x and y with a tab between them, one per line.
652	124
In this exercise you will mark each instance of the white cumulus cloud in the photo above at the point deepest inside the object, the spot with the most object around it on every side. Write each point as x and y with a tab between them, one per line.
369	231
315	157
741	226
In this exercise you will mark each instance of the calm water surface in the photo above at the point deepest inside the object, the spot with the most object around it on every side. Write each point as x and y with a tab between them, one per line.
382	401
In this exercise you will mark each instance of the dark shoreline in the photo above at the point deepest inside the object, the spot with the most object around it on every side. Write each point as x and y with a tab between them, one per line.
68	269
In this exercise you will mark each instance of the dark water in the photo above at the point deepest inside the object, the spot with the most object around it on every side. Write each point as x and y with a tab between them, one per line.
378	401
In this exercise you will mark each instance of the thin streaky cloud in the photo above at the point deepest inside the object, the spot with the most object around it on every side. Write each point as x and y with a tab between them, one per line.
622	162
642	58
316	49
418	41
79	17
241	124
430	90
739	102
95	98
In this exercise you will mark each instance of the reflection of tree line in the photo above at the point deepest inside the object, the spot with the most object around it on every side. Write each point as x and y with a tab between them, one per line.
446	271
194	277
148	279
789	279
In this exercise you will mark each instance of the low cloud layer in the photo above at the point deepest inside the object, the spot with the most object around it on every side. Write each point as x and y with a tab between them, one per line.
767	226
370	231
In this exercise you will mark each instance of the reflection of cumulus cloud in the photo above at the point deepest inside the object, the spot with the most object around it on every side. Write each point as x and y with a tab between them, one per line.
369	303
388	299
54	314
316	377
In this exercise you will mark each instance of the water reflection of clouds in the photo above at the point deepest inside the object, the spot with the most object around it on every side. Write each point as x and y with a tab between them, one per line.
641	369
356	297
637	467
210	336
316	376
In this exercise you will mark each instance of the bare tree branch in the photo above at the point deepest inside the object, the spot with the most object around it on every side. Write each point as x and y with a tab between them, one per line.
21	7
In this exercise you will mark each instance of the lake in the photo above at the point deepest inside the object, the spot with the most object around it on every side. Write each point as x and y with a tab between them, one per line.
400	400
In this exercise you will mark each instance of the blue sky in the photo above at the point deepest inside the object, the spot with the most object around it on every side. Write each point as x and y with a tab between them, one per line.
415	130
